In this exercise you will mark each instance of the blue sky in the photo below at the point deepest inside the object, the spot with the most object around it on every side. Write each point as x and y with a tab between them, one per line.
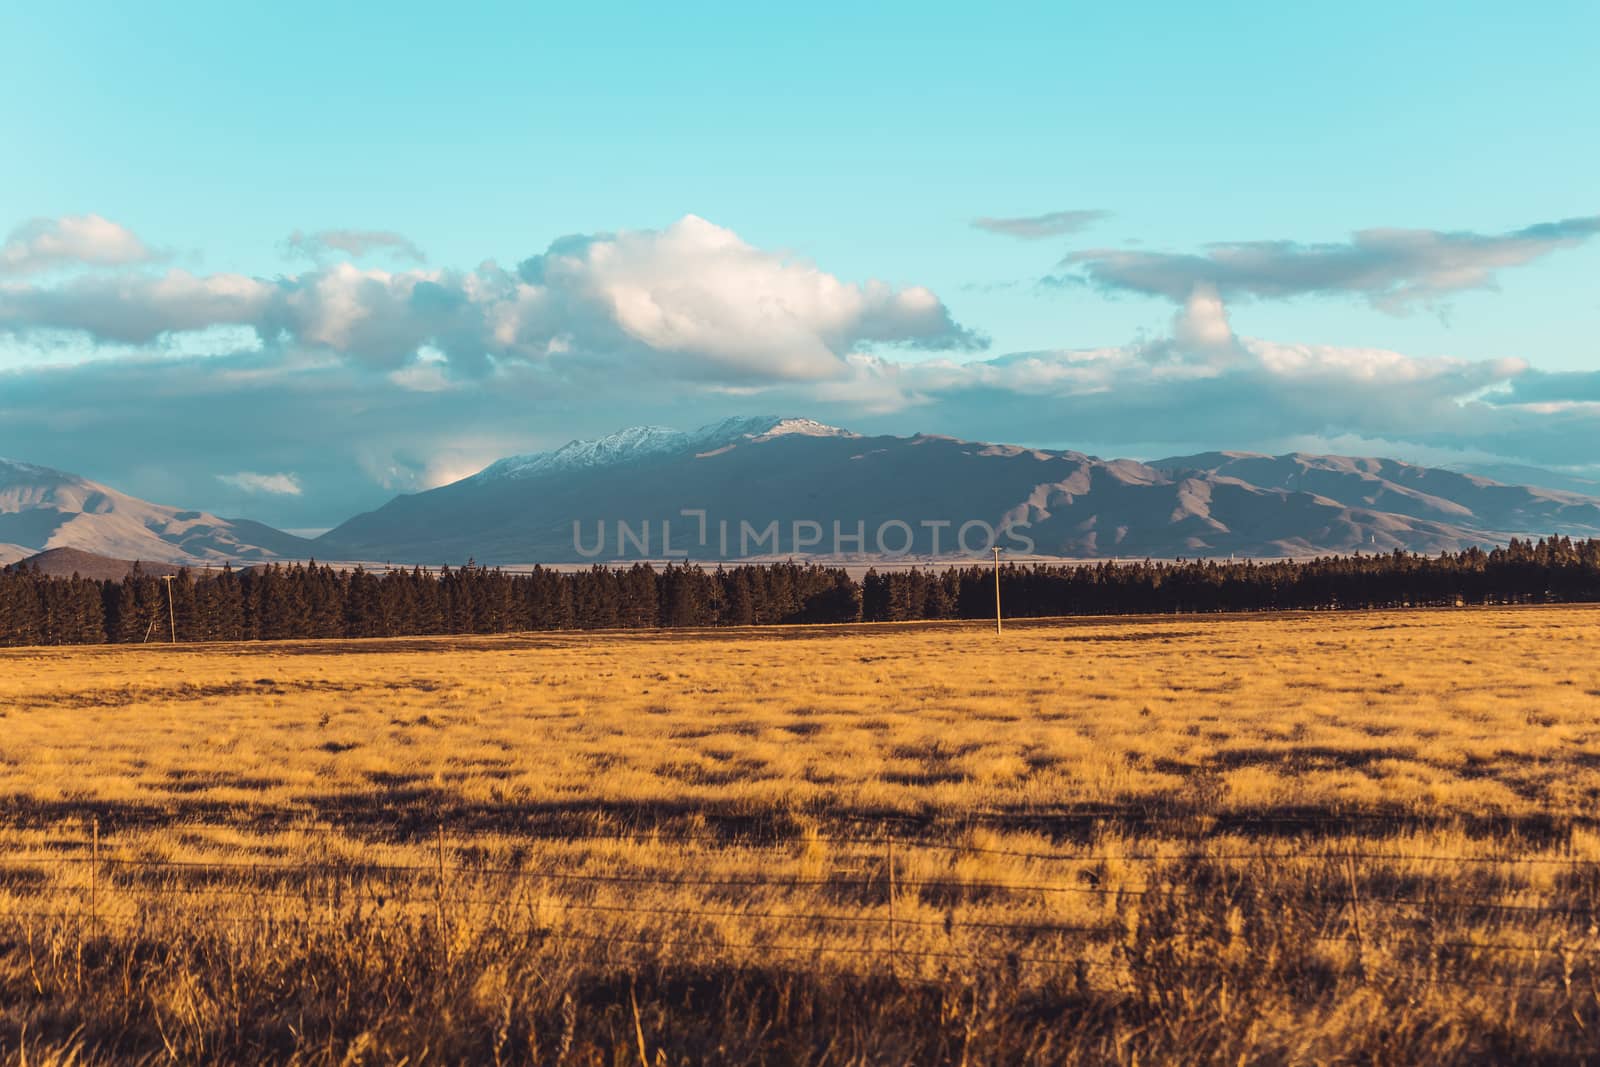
857	142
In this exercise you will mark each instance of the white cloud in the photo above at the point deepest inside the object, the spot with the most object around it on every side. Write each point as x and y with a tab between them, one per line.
690	301
250	482
702	300
40	245
1203	322
434	459
424	376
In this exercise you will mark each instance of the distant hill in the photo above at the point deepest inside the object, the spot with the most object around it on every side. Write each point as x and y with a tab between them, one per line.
795	471
1423	497
42	509
65	562
1518	474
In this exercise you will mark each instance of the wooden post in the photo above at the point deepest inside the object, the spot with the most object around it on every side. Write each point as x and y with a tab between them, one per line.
172	620
94	871
439	894
894	947
1355	911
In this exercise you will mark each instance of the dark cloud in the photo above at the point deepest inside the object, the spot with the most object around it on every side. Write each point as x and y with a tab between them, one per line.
1038	227
1391	269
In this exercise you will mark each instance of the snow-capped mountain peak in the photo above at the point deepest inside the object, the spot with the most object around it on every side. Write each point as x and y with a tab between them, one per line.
642	442
794	427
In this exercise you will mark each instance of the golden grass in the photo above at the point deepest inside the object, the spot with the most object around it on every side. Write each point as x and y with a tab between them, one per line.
1282	837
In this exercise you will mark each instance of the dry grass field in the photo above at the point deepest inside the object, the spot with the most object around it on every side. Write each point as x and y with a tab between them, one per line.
1303	838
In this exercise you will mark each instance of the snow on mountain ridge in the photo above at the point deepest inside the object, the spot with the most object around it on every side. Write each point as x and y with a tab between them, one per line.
16	468
804	428
639	442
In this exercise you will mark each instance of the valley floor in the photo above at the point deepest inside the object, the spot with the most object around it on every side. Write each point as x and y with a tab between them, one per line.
1309	837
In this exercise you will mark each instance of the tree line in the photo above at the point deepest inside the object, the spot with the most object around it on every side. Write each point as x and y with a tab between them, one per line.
319	601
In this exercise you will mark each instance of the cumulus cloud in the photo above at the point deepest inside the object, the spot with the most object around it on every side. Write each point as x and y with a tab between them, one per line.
1038	227
1394	270
695	291
324	244
41	245
692	300
280	484
1203	325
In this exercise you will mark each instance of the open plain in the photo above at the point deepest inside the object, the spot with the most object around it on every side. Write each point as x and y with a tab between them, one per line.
1308	837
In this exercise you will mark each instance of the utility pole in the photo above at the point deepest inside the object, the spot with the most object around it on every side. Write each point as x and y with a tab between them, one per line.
996	550
172	620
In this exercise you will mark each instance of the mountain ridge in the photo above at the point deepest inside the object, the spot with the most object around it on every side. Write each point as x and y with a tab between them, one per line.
637	441
718	492
1070	504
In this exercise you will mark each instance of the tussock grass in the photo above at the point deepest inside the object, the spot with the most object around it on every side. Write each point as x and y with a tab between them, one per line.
1314	838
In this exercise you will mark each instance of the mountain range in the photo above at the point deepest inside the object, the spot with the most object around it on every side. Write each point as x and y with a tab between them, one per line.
41	508
765	487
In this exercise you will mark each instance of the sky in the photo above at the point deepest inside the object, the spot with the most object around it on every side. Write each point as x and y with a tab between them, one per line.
287	261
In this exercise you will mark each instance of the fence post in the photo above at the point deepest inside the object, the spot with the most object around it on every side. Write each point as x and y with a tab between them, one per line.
1355	911
94	871
335	871
894	945
438	891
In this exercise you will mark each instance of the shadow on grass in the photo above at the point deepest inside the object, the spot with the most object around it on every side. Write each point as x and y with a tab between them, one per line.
409	808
